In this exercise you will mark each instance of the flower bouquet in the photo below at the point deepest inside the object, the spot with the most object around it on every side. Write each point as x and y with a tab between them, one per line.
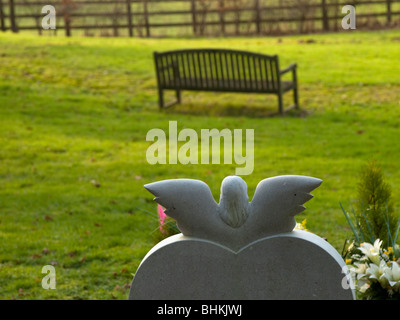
375	271
167	225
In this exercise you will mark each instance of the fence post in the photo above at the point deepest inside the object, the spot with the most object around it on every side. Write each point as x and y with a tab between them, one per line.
39	27
66	17
194	23
67	23
146	18
257	16
389	11
338	9
129	16
2	20
325	20
13	23
221	15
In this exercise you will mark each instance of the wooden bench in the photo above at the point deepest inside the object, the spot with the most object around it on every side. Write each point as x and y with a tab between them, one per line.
222	70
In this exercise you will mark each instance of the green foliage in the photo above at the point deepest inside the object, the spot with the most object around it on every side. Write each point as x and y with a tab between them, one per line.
377	292
375	205
165	225
374	216
167	229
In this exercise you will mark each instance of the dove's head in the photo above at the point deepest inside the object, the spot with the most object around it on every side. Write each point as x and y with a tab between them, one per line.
234	201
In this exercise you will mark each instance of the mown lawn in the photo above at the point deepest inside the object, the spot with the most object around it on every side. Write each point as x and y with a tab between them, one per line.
74	114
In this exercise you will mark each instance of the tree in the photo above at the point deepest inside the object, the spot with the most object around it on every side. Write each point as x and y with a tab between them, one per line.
375	211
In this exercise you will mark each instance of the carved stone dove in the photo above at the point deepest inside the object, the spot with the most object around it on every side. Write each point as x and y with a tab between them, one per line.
235	221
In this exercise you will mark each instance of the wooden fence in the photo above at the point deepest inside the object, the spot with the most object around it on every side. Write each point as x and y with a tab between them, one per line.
154	18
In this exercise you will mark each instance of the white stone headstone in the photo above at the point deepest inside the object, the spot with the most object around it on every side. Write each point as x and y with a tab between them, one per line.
239	249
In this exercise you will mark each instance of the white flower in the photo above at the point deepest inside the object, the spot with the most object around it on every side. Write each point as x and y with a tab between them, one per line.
393	276
363	285
372	251
360	270
378	272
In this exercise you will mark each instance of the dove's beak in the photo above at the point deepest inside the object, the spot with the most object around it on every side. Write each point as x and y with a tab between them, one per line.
312	183
151	187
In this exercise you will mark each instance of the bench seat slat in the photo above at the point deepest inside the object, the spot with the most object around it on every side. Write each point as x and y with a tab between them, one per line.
224	85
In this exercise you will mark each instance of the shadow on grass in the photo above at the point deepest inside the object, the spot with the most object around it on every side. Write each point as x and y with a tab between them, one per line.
218	104
230	110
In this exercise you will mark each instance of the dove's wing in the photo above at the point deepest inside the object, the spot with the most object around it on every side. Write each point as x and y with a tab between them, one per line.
189	202
277	200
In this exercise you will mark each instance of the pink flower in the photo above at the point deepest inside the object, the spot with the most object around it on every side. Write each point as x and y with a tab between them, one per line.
162	216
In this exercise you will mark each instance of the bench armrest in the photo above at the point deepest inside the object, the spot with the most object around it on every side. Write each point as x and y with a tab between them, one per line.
292	67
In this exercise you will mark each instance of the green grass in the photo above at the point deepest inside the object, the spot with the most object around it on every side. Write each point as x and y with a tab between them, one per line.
74	114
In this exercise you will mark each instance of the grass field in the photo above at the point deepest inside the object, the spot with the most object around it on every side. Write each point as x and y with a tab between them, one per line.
74	114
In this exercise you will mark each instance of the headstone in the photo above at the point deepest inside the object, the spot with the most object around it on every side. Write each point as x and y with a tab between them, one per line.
239	249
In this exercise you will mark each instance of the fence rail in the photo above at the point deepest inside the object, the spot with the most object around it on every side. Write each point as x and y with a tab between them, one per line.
153	18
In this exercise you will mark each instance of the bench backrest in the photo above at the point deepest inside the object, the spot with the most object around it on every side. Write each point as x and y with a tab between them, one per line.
217	69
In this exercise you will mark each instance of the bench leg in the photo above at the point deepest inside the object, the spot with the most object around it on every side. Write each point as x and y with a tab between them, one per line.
160	98
163	105
280	102
295	89
178	96
296	97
